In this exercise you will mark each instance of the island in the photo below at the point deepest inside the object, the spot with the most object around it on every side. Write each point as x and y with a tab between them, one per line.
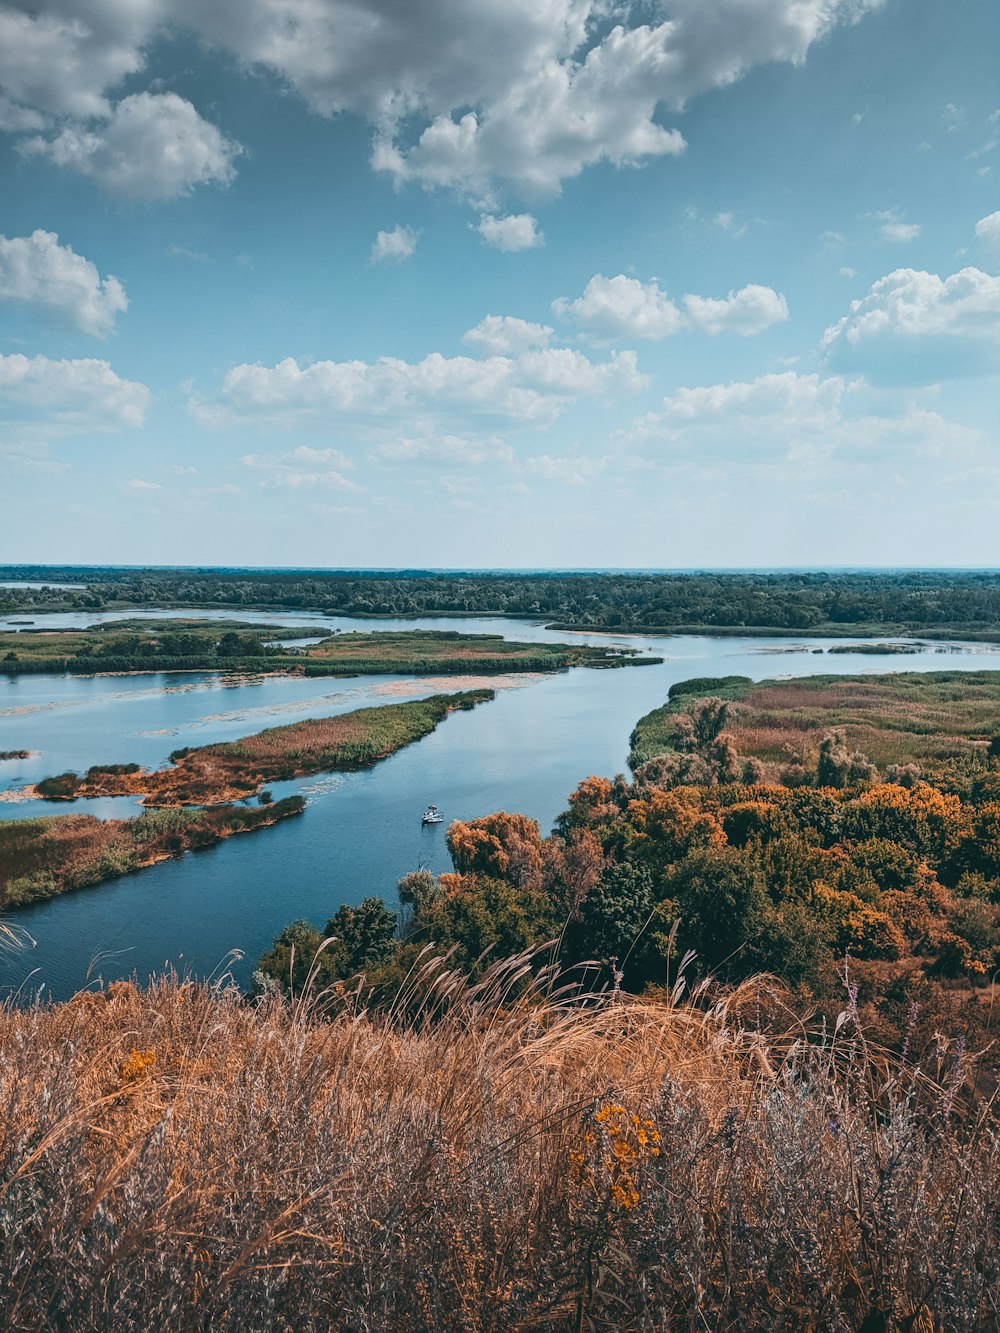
43	857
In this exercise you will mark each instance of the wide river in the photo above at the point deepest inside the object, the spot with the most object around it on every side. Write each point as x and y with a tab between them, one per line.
524	752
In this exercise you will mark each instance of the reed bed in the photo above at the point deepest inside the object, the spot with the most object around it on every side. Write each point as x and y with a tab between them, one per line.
515	1154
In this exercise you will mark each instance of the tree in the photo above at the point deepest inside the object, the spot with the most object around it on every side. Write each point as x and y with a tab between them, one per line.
502	846
365	936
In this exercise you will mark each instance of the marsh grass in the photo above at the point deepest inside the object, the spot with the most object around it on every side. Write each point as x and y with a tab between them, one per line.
509	1155
930	718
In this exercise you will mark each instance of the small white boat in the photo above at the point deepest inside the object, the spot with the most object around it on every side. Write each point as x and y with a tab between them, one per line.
432	815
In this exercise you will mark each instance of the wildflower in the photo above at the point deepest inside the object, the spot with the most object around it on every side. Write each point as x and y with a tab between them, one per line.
136	1065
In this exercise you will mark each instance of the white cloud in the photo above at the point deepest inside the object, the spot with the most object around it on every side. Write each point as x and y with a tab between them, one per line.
848	272
625	307
516	231
450	449
792	398
914	326
56	397
534	386
139	486
900	231
152	146
298	481
303	457
303	468
394	247
501	335
894	228
460	92
988	228
621	306
802	418
749	311
39	271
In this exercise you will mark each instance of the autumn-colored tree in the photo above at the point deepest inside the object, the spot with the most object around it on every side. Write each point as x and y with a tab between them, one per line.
502	846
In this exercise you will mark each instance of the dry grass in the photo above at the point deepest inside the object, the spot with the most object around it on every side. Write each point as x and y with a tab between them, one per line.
505	1157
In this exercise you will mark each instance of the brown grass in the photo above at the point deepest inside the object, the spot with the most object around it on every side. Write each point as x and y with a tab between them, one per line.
510	1158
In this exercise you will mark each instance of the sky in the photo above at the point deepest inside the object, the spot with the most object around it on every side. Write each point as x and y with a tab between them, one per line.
500	283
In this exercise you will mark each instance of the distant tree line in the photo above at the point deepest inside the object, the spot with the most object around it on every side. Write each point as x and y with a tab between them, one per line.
923	601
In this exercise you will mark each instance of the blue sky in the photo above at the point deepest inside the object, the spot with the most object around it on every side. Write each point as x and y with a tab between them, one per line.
500	282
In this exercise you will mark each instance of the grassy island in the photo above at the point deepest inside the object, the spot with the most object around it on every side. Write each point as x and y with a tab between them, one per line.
235	770
133	646
40	858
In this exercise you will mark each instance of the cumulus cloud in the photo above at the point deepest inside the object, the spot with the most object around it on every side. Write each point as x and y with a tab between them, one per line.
55	397
516	231
500	335
460	92
40	272
625	307
622	307
394	247
750	310
138	486
914	326
533	386
152	146
988	228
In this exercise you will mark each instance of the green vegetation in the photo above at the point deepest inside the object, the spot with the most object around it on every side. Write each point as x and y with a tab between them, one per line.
238	769
40	858
933	604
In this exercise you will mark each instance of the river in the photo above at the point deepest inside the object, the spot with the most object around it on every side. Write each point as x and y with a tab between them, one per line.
525	752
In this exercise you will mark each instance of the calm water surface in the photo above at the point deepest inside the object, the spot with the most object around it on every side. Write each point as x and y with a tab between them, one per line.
361	831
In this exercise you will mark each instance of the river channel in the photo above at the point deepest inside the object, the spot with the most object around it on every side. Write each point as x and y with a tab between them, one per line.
524	752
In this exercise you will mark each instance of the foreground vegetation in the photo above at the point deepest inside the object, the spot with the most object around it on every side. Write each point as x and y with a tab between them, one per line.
935	603
40	858
236	770
504	1157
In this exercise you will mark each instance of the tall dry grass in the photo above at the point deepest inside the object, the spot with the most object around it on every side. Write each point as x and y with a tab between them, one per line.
500	1156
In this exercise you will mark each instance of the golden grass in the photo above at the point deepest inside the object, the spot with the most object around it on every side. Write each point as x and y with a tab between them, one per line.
502	1156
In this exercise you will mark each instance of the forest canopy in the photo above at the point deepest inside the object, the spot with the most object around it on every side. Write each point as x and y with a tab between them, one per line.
935	603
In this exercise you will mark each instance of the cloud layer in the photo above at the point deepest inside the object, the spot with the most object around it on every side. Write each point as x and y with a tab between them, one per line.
460	92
